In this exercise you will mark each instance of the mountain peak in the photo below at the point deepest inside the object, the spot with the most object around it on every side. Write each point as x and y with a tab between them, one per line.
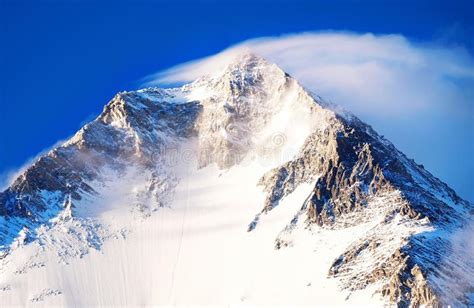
243	72
227	150
248	59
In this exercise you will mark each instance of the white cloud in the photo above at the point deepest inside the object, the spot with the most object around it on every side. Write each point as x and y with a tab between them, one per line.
363	72
419	95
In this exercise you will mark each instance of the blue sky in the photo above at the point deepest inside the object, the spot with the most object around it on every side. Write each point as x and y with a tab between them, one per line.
61	61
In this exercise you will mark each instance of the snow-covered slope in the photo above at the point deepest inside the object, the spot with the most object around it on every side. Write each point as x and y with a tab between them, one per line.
239	188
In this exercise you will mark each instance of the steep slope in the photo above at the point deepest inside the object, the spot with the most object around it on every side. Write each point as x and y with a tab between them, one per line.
356	169
309	174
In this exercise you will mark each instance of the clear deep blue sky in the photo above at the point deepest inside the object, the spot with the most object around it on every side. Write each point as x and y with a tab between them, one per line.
61	61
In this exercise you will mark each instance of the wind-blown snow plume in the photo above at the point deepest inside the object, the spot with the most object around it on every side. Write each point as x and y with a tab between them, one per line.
7	177
385	73
220	192
404	89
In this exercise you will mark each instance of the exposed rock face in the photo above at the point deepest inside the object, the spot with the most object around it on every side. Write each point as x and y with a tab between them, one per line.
241	102
351	166
351	162
358	176
131	129
406	284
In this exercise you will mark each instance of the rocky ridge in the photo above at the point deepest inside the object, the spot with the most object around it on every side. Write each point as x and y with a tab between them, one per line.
358	176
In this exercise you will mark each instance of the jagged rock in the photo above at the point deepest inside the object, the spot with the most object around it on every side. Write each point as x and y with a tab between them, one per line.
358	177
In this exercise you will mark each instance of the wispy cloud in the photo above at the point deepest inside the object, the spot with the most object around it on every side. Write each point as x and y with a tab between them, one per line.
8	176
419	94
365	73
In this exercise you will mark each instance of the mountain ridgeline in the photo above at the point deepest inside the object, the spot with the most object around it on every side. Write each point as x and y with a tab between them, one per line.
254	111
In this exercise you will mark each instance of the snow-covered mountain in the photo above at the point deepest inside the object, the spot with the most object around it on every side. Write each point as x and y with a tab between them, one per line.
239	188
